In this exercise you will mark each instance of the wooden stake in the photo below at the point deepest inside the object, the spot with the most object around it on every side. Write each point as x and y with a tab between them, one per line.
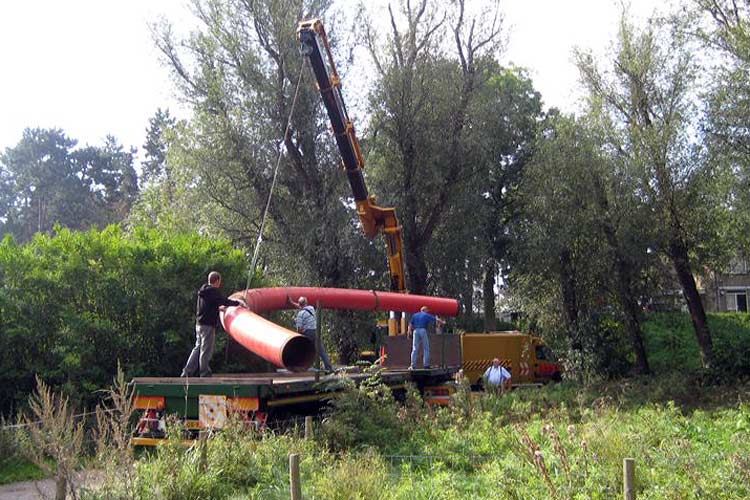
203	444
294	481
308	427
628	479
318	329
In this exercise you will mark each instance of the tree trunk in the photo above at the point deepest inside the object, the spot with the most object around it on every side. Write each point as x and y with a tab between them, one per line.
628	302
679	255
61	486
468	303
568	288
488	295
417	270
632	323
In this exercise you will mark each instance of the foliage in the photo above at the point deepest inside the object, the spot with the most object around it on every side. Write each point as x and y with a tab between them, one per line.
648	92
113	431
564	441
16	470
240	68
155	167
14	465
363	415
723	26
446	118
47	180
596	347
668	338
76	303
10	449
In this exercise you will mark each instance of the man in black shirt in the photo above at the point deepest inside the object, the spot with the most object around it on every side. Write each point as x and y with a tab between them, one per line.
210	300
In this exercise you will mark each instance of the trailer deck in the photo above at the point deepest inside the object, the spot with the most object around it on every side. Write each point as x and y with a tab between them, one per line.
256	397
273	389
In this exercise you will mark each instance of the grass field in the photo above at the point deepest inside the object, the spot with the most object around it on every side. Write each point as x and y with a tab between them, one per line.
560	442
688	431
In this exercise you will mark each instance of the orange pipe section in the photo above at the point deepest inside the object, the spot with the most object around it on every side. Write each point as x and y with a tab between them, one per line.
287	349
284	348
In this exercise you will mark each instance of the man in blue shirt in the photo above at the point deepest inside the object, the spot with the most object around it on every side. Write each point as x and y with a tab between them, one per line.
418	327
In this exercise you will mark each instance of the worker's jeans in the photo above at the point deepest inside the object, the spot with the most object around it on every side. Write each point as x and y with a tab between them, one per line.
200	356
310	334
420	336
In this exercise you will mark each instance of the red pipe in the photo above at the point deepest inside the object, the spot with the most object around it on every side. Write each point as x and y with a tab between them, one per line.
262	300
284	348
287	349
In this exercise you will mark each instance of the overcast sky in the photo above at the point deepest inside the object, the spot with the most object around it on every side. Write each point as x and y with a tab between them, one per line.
90	66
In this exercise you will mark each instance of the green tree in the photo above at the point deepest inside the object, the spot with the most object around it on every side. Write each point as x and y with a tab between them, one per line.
558	267
649	94
155	167
41	172
724	27
239	69
509	111
47	181
431	67
579	248
468	250
110	180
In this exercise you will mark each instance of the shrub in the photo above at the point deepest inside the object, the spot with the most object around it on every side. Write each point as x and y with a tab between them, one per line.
671	344
73	304
54	434
10	449
362	415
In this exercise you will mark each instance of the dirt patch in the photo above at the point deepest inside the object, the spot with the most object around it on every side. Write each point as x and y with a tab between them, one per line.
28	490
43	488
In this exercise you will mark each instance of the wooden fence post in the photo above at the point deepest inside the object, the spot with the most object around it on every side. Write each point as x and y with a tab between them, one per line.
294	481
318	330
308	427
203	444
628	479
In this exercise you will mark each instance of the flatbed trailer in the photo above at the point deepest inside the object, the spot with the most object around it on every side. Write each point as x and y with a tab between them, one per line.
258	398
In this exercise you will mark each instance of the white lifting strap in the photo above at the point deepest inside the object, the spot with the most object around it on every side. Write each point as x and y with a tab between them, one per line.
259	240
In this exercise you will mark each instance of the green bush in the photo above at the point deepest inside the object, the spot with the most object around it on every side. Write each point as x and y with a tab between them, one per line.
362	415
597	347
10	449
672	346
73	304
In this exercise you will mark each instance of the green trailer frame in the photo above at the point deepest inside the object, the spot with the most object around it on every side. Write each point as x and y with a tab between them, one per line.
255	397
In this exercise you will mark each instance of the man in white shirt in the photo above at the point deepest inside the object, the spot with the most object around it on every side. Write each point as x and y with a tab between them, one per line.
496	378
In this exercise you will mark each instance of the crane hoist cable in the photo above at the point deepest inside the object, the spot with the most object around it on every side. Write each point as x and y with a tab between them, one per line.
259	240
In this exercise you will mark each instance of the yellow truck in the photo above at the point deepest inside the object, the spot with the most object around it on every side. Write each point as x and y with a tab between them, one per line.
526	357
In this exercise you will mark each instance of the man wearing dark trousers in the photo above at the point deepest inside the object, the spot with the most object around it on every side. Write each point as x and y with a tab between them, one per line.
307	324
210	300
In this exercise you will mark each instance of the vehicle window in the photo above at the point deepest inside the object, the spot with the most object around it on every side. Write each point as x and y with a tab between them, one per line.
541	353
544	353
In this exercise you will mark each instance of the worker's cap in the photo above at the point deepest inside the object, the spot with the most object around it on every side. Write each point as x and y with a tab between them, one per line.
424	308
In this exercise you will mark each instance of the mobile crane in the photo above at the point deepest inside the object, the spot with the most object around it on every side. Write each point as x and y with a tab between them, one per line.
375	219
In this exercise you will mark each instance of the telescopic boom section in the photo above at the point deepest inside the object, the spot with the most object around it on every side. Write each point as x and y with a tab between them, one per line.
375	219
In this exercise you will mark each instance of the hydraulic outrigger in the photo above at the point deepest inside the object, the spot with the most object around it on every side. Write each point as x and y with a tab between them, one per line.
375	219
